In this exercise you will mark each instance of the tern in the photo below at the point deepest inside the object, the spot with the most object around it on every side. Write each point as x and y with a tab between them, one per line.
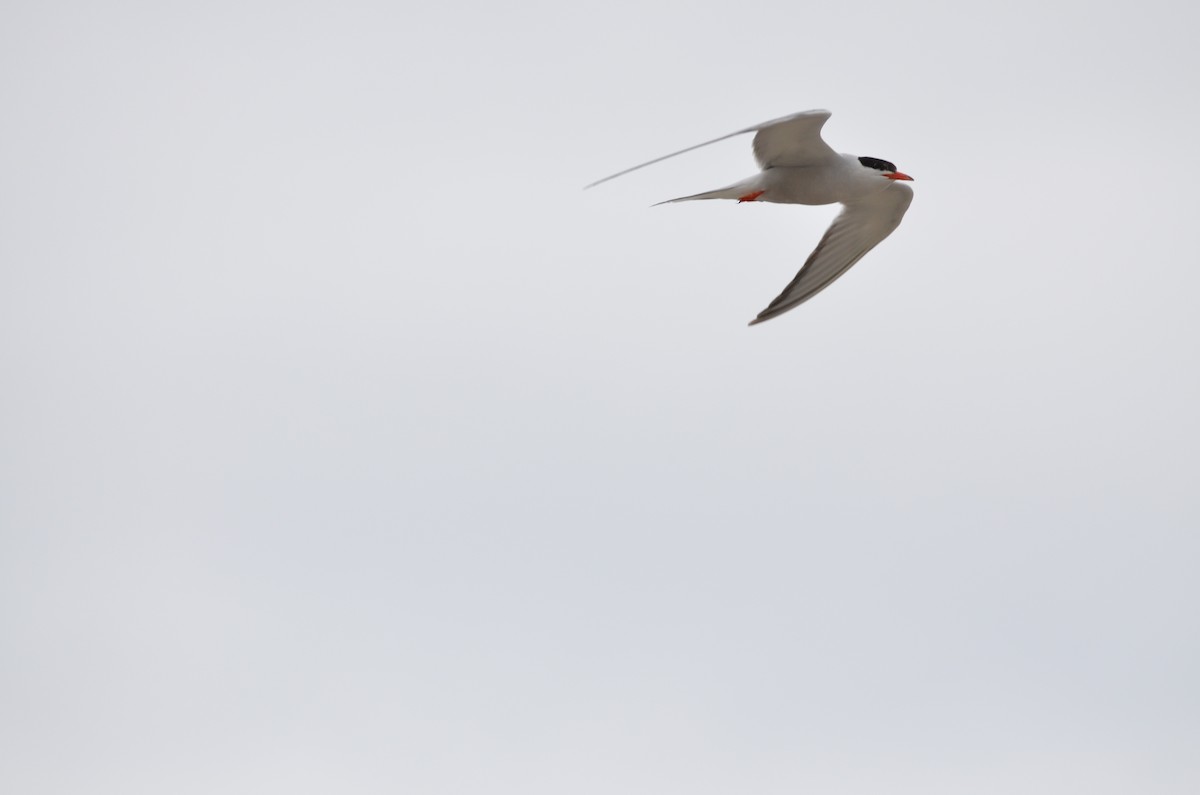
798	167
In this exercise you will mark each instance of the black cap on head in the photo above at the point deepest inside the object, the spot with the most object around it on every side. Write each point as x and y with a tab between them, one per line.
876	163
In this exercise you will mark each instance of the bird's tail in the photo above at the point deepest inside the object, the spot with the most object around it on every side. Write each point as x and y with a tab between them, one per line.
738	190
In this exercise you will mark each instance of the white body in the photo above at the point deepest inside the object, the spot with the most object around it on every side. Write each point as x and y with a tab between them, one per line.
836	180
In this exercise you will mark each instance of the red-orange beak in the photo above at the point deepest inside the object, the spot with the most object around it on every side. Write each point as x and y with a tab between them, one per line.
898	175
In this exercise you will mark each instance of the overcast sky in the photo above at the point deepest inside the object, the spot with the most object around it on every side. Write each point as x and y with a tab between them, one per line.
346	445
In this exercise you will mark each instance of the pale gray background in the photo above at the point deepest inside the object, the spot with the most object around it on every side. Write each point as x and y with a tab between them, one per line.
349	447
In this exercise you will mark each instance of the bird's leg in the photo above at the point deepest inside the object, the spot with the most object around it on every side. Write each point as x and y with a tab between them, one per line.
749	197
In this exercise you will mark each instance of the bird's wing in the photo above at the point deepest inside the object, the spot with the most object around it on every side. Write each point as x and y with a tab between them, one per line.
860	227
793	140
790	141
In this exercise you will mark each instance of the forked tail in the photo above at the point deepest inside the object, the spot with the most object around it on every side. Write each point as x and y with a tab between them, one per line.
746	190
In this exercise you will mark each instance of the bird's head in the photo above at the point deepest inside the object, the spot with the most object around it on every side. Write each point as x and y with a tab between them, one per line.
885	168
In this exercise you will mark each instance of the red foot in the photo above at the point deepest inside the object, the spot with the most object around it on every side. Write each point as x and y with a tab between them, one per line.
749	197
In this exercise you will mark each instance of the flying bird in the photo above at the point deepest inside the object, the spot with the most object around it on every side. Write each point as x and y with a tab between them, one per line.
798	167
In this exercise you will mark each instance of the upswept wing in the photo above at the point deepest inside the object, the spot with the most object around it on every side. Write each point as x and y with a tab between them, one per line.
793	140
789	141
860	227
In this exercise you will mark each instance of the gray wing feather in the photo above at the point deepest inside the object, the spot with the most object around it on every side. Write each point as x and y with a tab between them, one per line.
860	227
793	140
780	142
